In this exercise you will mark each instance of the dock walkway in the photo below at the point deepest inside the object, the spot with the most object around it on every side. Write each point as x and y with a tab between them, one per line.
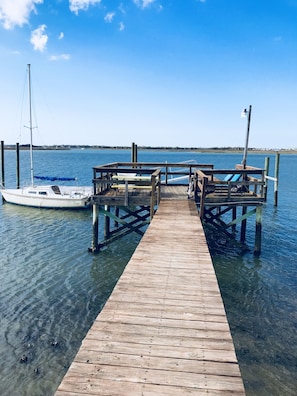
163	331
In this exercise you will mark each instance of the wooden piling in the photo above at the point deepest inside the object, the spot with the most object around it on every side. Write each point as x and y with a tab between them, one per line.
117	214
266	171
2	164
106	222
134	153
234	214
18	164
94	246
276	173
258	236
243	225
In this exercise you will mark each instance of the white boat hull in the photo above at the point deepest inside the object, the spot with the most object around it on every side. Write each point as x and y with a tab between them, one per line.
62	197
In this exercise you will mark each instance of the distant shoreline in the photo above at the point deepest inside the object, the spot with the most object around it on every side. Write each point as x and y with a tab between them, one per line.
234	150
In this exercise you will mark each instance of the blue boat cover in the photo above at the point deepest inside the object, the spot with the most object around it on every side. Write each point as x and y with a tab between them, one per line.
54	178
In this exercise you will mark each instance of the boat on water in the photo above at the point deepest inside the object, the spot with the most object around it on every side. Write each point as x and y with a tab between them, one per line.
47	196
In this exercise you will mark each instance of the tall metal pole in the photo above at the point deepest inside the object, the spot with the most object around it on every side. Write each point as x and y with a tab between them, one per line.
247	136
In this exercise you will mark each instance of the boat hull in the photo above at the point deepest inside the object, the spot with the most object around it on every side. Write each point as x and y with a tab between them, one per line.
45	197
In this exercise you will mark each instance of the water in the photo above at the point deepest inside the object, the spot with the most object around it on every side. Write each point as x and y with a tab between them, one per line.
51	288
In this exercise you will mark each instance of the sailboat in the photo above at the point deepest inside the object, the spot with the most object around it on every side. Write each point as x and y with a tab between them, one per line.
47	196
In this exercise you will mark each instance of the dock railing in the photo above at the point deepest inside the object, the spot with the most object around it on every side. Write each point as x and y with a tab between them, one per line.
180	173
220	187
126	177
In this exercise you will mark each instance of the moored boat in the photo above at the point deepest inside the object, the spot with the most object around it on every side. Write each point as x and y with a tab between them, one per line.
47	196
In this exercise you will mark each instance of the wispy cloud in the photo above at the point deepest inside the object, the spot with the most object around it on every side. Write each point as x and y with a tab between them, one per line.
121	26
109	17
77	5
143	3
39	38
122	9
61	36
16	12
60	57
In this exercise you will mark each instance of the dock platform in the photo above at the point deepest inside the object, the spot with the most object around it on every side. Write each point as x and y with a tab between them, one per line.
164	330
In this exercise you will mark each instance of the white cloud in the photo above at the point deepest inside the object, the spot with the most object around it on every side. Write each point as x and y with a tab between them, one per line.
109	17
143	3
39	39
77	5
121	26
61	36
60	57
16	12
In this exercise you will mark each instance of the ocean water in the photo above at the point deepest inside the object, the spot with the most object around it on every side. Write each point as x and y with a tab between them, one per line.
52	288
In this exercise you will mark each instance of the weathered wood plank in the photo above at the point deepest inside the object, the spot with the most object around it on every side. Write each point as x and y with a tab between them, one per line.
163	330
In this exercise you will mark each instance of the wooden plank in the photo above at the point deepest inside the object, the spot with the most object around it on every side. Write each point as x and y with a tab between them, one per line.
163	330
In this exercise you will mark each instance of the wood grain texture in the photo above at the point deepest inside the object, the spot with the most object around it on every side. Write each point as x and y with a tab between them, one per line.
164	329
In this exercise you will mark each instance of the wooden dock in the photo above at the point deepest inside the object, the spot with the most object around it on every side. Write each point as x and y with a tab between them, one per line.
163	330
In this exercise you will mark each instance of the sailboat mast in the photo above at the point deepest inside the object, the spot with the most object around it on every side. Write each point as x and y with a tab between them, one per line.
30	126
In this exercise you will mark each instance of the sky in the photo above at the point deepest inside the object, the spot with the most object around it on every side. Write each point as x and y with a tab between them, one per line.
157	73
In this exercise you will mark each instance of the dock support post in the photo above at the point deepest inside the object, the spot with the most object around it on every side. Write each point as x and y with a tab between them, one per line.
134	153
267	160
2	164
117	213
276	179
18	164
243	225
234	218
258	236
106	222
95	245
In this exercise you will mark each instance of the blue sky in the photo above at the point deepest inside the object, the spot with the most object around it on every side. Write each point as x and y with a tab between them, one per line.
157	73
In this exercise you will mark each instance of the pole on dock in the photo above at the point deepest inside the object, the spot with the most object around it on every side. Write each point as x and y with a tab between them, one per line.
248	114
276	173
18	164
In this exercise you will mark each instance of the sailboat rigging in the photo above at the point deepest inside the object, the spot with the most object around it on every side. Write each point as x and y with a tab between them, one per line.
47	196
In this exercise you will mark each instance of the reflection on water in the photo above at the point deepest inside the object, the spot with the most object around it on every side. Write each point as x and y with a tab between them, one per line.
260	297
51	291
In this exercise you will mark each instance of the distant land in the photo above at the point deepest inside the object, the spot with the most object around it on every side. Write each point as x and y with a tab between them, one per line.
160	148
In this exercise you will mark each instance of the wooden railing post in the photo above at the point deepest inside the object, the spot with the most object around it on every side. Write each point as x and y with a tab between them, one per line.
202	199
152	208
